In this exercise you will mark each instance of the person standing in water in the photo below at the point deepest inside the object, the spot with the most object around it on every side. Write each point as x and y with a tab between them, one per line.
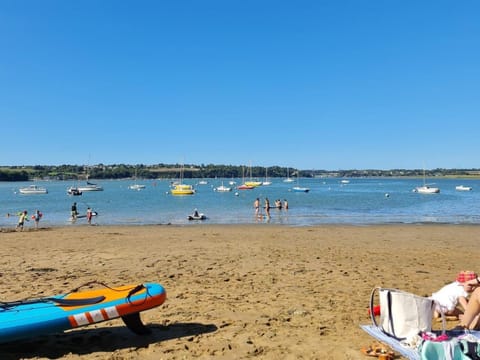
74	211
256	206
89	216
36	217
267	207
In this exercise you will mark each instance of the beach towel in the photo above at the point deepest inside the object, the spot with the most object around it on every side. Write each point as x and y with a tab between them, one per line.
431	349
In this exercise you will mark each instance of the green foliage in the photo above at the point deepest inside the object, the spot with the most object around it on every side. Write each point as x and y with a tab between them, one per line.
169	171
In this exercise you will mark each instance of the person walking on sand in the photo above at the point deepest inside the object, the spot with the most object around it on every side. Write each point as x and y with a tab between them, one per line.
21	220
36	217
74	211
89	216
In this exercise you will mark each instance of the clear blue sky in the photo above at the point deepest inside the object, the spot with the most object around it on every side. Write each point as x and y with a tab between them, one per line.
307	84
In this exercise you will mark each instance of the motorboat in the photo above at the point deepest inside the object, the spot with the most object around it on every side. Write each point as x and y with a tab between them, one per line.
137	187
426	189
33	190
463	188
90	187
300	189
203	182
223	188
345	181
197	216
72	190
182	189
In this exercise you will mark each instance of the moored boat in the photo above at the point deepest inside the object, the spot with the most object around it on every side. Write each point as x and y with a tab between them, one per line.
72	190
426	189
463	188
182	189
33	190
90	187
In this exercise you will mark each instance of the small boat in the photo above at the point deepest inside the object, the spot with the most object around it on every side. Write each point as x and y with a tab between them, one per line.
245	187
137	187
223	188
345	181
72	190
300	189
33	190
266	182
288	179
197	216
253	183
182	189
90	187
463	188
426	189
203	182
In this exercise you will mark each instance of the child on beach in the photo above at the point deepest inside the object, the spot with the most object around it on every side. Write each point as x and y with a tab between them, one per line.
453	294
21	220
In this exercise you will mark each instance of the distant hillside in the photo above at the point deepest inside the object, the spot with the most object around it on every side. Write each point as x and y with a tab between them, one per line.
171	171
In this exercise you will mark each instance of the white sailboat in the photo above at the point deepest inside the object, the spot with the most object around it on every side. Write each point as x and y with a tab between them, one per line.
135	185
426	188
288	179
299	188
266	182
223	188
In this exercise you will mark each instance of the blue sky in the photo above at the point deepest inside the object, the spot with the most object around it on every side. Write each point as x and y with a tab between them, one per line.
305	84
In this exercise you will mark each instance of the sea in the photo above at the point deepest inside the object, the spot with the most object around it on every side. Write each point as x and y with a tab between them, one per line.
354	201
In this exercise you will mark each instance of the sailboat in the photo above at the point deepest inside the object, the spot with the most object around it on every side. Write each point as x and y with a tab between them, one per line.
244	185
223	188
299	188
288	179
136	186
426	189
89	186
180	188
251	182
266	182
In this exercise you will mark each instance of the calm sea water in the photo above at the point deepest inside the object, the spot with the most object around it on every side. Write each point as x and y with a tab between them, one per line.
361	201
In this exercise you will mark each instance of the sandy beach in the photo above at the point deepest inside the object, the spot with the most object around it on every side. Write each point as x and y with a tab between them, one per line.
233	292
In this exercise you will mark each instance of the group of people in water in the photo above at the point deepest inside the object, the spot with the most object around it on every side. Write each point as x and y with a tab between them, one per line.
23	217
37	215
74	213
278	205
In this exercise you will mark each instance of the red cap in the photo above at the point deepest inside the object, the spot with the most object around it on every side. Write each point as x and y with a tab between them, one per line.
464	276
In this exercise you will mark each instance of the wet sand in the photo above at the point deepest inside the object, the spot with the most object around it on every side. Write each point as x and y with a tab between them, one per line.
233	292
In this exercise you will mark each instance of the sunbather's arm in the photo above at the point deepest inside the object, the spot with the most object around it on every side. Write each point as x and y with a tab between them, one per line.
463	302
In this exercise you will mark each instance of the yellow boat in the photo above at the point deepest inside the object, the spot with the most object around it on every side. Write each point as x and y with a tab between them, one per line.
182	189
253	183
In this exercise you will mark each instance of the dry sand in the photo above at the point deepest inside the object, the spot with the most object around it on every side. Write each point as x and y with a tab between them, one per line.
234	292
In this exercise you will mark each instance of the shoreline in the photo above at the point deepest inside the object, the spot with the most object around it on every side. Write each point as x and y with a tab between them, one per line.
233	291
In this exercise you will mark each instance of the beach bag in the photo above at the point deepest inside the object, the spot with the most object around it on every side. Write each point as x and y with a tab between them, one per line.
402	314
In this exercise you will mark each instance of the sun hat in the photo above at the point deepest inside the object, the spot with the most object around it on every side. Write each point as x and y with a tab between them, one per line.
466	275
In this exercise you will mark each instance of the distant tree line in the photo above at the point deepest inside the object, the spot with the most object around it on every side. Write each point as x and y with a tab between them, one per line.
168	171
